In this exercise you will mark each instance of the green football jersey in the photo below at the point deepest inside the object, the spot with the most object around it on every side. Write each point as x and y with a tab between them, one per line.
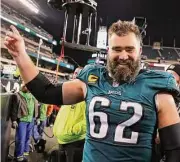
122	119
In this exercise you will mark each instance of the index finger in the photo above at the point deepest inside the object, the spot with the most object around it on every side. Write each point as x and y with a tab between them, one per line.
12	35
13	28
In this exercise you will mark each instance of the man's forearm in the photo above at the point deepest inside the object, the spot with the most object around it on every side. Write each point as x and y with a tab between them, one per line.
26	67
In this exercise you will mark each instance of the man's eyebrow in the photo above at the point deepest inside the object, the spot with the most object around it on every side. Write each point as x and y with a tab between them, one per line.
116	47
120	47
129	47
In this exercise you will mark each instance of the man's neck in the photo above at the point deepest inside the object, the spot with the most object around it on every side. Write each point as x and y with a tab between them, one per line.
112	81
115	83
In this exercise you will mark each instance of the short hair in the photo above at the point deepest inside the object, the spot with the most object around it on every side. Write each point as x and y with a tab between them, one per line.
122	28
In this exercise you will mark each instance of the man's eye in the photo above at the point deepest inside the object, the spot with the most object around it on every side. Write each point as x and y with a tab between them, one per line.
129	50
118	50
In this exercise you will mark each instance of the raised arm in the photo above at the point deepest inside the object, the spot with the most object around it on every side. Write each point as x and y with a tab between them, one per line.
68	93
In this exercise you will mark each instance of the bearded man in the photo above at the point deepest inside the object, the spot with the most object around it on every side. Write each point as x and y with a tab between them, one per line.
125	105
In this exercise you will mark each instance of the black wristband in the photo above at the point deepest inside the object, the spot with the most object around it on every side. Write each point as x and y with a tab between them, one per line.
44	91
170	137
172	156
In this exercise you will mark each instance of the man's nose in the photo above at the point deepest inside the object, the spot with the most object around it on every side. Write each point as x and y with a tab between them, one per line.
123	55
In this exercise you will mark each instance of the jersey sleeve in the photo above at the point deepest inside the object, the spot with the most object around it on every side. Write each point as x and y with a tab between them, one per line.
85	72
172	85
165	82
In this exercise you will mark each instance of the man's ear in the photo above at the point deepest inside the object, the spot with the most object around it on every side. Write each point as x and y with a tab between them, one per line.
107	49
140	50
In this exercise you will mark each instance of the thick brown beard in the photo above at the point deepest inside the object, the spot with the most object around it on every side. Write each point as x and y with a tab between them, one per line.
126	72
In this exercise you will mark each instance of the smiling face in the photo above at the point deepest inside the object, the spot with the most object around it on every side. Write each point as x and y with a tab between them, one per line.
123	61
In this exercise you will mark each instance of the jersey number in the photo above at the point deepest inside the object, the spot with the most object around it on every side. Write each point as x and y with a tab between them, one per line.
118	137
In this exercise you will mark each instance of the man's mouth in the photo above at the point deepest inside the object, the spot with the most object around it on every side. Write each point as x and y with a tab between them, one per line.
123	63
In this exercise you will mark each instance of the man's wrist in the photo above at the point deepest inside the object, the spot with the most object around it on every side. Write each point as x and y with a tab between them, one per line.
20	55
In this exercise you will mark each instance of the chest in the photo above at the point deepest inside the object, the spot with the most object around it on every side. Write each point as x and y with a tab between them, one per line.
123	102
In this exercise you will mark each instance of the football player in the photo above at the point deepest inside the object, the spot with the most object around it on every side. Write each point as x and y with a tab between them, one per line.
125	105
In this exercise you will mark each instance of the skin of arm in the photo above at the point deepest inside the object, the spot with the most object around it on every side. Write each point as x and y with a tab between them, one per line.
167	110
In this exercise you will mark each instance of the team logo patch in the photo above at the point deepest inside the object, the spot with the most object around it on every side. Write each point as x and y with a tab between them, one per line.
92	79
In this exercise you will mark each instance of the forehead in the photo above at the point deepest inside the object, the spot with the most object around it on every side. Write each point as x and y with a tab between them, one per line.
123	41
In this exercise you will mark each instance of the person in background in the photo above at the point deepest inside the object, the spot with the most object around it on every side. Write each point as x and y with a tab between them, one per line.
70	129
51	108
23	102
38	129
52	112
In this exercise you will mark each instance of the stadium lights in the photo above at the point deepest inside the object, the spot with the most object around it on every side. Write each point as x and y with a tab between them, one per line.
29	4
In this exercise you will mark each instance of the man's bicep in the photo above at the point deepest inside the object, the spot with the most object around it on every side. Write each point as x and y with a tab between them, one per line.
73	92
167	110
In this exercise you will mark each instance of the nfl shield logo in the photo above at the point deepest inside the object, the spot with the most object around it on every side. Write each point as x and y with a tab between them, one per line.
115	84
